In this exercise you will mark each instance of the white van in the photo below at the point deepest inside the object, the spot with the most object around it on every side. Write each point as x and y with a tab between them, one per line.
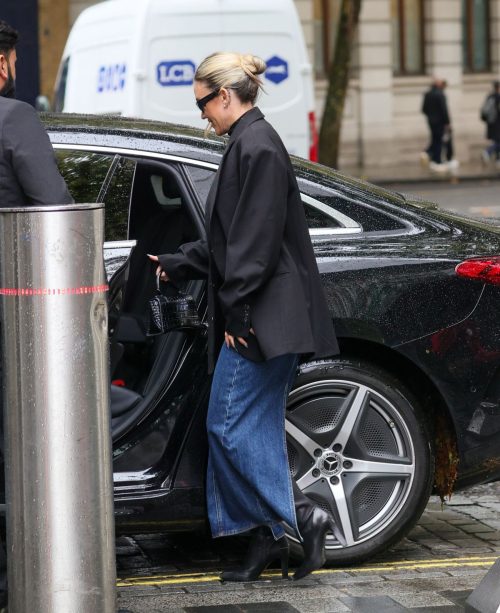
137	58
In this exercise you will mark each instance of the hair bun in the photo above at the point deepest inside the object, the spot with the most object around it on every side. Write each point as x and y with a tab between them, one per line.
253	64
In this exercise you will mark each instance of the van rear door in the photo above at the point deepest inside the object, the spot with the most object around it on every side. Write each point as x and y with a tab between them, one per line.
270	29
180	36
98	55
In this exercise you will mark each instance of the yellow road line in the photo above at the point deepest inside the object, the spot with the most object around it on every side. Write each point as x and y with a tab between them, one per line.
183	579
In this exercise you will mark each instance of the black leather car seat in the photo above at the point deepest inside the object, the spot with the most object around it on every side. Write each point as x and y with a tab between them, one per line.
122	400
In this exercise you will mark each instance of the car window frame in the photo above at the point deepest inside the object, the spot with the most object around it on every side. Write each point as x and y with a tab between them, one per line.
349	227
363	199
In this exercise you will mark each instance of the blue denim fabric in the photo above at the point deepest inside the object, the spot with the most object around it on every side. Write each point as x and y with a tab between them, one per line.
248	480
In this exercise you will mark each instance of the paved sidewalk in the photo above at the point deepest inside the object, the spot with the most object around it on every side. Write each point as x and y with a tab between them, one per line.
433	570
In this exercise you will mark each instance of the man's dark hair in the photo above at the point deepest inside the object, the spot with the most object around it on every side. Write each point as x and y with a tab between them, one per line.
8	38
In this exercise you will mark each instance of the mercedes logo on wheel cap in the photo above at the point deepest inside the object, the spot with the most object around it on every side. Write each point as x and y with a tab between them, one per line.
330	464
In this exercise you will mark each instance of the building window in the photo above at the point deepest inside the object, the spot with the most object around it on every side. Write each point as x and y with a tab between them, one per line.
326	25
476	35
407	17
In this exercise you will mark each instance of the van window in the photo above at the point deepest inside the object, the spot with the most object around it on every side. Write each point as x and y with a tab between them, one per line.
61	88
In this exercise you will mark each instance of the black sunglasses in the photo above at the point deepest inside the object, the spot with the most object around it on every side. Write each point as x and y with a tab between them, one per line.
202	102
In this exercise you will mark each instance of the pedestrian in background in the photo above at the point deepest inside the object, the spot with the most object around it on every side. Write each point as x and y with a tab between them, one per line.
435	108
490	114
266	306
28	173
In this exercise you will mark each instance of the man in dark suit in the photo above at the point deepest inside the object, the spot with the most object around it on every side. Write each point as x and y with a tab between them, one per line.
28	167
28	172
436	110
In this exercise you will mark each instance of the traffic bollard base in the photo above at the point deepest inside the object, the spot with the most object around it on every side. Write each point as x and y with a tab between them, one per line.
486	597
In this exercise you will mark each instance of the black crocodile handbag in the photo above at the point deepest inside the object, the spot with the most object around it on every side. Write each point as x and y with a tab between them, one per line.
171	313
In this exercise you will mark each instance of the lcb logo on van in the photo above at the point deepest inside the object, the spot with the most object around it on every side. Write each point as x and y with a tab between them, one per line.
111	78
277	70
180	72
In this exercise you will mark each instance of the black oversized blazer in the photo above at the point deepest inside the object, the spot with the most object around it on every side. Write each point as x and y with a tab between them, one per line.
258	254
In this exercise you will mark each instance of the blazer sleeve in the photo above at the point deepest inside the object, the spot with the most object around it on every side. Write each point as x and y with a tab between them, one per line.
189	262
32	157
256	234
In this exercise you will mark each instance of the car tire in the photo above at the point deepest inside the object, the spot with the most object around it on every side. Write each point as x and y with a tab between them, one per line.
344	417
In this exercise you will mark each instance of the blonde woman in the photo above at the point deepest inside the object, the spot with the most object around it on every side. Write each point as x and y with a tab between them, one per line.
266	307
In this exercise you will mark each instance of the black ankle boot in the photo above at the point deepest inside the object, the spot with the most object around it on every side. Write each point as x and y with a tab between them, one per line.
314	524
314	533
263	550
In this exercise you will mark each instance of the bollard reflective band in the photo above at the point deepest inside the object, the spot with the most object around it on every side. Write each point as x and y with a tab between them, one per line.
95	289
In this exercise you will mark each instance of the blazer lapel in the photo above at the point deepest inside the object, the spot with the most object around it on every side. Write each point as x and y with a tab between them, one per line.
248	118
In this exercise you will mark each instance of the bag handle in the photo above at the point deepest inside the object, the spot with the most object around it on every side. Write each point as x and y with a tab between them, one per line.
158	287
158	281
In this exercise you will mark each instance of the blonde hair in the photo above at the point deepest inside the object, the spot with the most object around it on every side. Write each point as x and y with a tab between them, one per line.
232	70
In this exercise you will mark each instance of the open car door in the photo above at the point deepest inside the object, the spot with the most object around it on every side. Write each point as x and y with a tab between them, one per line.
117	257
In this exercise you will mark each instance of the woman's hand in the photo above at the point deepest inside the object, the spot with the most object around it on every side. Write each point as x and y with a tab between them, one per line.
164	274
229	340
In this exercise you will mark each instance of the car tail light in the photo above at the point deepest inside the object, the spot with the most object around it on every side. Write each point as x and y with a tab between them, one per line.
313	133
483	269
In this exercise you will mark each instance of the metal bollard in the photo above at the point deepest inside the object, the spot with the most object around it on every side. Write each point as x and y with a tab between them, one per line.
60	520
486	597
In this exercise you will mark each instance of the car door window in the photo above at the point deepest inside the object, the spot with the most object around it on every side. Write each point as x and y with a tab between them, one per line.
94	177
316	218
117	199
323	219
350	211
84	173
202	179
328	211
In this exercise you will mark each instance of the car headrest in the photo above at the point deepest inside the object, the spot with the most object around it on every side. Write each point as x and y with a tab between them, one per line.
166	191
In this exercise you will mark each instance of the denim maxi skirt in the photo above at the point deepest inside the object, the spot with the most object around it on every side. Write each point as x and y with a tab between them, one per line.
248	479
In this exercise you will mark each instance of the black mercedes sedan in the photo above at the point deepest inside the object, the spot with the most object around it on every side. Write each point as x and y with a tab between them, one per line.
410	406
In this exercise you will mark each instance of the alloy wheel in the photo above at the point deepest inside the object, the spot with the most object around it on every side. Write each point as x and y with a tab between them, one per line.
351	453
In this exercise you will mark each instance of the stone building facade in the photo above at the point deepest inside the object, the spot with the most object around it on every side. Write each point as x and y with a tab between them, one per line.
401	45
457	40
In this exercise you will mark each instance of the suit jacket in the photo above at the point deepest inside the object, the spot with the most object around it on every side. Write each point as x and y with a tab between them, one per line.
258	254
28	167
435	107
